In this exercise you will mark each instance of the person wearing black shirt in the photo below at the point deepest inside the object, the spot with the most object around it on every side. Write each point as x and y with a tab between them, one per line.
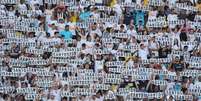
177	65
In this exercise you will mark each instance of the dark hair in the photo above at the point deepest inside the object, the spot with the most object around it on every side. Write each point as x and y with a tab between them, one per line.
66	26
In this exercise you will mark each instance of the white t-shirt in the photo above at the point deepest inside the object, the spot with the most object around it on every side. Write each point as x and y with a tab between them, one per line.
52	100
97	31
143	53
175	47
61	26
22	7
49	21
197	83
58	40
11	13
138	2
99	1
153	45
128	1
132	32
89	44
51	31
170	85
95	15
57	95
191	37
117	9
130	63
87	51
152	14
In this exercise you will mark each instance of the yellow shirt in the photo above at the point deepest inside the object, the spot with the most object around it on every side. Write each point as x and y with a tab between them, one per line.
73	19
114	88
18	33
198	6
146	2
113	3
128	58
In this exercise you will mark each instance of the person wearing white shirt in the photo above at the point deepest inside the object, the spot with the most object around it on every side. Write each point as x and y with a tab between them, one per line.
176	45
198	82
56	38
128	1
11	12
117	9
61	24
121	46
152	14
153	46
175	34
139	2
132	31
95	13
171	3
52	29
95	30
143	52
50	20
22	7
32	3
191	35
52	98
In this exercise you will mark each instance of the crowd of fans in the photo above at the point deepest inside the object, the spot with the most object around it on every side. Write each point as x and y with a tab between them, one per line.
100	50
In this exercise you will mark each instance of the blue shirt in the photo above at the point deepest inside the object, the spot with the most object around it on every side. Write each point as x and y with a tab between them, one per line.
84	15
139	16
66	34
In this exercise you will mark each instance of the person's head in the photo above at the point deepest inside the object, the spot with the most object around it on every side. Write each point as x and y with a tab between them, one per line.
190	79
11	8
153	38
129	78
52	96
88	38
67	27
53	26
56	34
142	46
98	94
83	31
94	26
131	27
14	45
82	98
177	59
73	99
171	98
191	31
121	27
61	20
64	99
83	46
174	30
185	48
87	66
199	78
131	22
32	34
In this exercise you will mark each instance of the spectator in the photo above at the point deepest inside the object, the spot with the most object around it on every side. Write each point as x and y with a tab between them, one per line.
66	33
